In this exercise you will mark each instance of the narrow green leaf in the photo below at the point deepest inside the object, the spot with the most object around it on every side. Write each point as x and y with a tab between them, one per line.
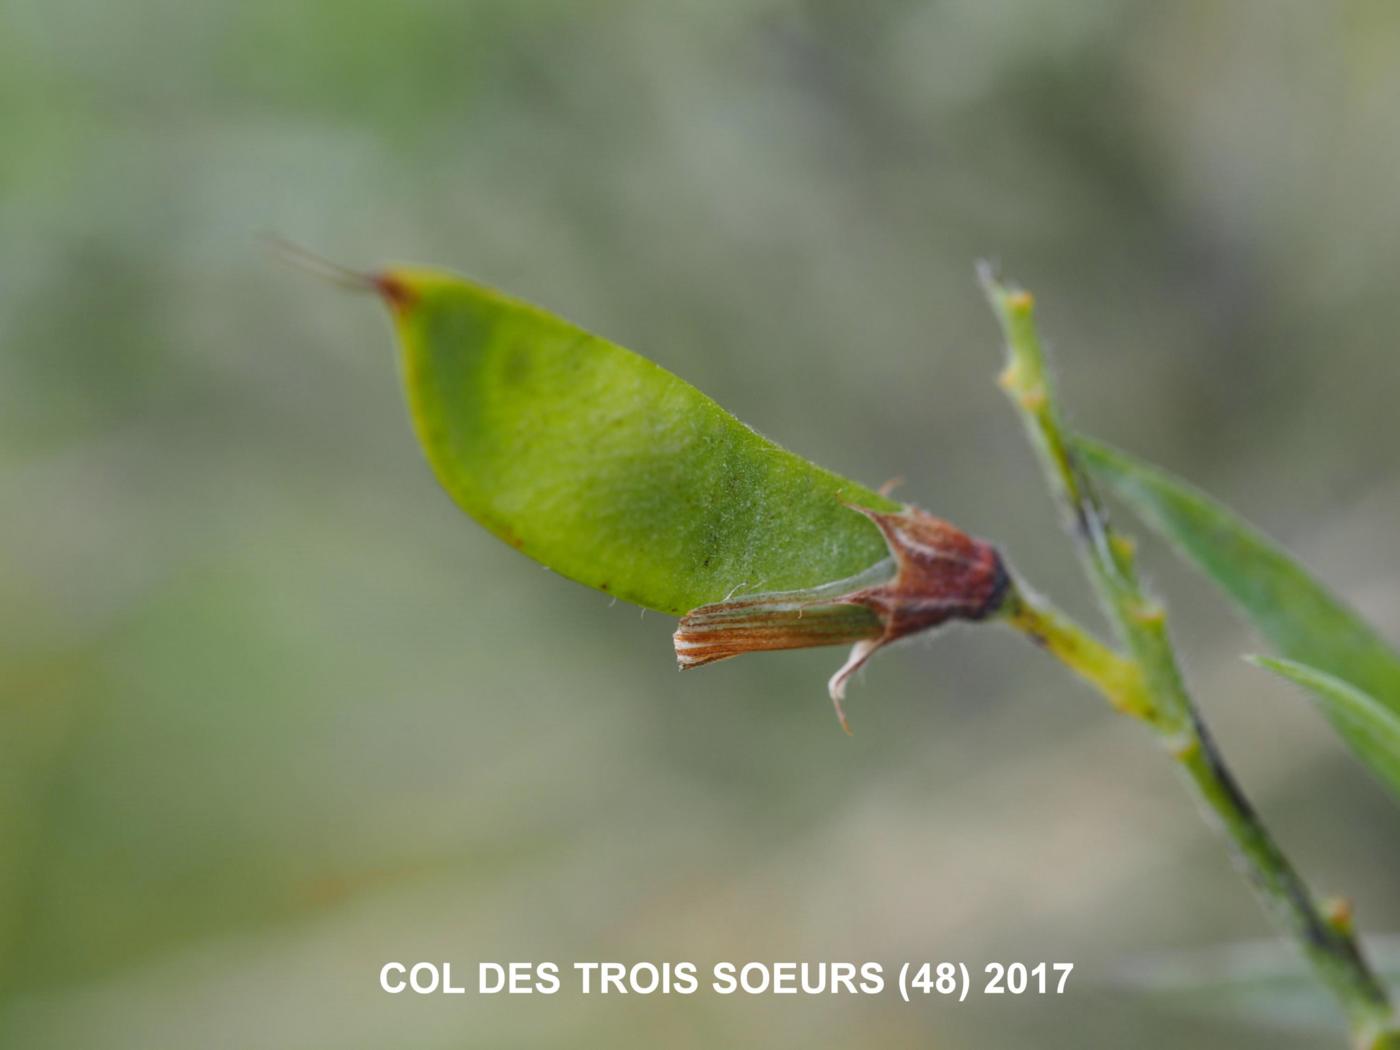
607	468
1285	603
1372	728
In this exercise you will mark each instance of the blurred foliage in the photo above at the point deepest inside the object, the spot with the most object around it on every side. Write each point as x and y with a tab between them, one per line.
1264	981
272	712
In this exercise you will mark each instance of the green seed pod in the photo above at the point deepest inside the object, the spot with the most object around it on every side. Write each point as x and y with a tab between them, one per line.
605	467
617	474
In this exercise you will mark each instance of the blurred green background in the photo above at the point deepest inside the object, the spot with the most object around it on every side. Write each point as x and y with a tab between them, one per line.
272	712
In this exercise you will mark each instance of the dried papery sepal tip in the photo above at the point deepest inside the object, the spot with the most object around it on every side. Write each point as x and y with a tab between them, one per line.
935	573
767	623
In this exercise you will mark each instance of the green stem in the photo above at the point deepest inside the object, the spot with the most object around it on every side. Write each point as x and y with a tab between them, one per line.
1148	684
1117	678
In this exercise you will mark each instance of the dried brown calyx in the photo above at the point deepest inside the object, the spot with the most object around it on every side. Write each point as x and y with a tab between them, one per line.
935	573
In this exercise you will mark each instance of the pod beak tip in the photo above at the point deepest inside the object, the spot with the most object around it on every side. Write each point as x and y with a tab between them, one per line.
393	290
